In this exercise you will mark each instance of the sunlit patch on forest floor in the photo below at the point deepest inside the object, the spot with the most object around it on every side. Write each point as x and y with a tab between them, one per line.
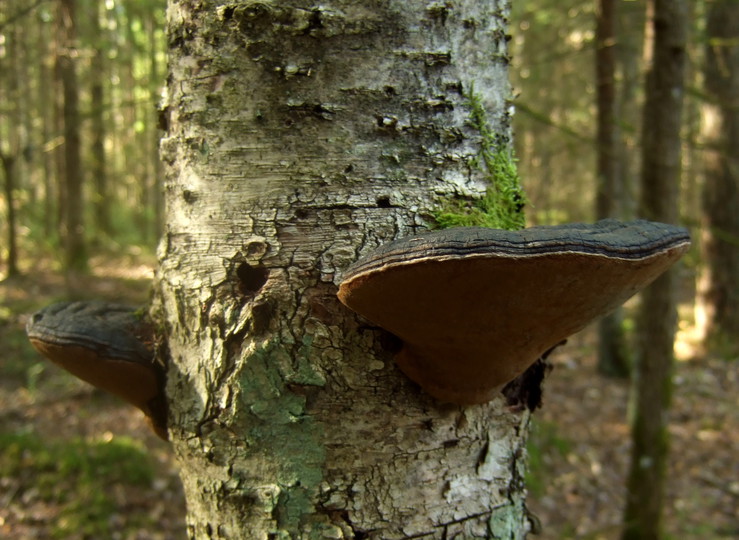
76	463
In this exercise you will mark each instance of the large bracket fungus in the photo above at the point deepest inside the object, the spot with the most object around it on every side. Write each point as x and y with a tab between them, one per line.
108	346
475	307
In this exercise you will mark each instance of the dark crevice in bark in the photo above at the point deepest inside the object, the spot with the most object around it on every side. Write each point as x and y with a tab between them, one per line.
251	278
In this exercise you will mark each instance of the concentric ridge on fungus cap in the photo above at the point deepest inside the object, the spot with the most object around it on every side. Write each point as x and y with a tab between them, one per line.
106	327
611	238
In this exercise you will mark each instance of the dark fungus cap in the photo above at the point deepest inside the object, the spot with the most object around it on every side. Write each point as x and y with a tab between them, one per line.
107	345
475	307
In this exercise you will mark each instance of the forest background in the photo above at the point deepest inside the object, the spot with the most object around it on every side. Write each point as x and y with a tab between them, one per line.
81	214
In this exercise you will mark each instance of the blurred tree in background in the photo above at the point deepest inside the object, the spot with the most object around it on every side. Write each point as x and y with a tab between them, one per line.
720	286
67	119
609	191
555	47
657	316
79	85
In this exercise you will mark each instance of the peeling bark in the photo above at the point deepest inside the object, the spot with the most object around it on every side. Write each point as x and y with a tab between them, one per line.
300	136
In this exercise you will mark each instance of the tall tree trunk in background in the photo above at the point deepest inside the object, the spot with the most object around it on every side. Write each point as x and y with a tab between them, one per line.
46	110
692	157
11	148
101	197
58	127
8	164
73	225
657	313
138	164
720	287
157	201
300	136
612	356
135	160
149	138
629	52
23	65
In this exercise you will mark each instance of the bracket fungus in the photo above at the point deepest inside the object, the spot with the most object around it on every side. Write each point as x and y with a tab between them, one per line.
108	346
475	307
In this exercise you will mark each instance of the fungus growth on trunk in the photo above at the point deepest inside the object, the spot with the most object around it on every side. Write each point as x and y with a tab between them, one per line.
107	345
474	307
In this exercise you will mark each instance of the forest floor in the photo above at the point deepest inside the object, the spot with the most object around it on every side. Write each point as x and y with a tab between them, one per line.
76	463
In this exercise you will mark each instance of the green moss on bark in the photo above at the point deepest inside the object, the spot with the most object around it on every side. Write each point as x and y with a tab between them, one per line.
504	200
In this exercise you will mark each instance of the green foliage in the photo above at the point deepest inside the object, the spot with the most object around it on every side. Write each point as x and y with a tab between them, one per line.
502	205
723	345
20	359
543	443
77	475
130	226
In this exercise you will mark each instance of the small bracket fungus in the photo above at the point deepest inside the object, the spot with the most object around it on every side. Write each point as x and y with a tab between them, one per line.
475	307
108	346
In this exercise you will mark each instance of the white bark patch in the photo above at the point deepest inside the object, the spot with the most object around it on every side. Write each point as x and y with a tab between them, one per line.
496	463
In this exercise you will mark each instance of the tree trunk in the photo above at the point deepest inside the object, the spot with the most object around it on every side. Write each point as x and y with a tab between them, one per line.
8	163
298	139
720	294
657	314
630	42
135	159
612	357
10	149
102	197
157	203
46	107
73	225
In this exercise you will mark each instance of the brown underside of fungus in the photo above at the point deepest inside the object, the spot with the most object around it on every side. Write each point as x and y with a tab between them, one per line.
475	307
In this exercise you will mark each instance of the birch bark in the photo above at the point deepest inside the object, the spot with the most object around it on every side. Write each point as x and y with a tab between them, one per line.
299	136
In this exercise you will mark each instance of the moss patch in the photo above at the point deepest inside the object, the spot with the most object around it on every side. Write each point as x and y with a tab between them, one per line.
504	200
77	477
543	446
